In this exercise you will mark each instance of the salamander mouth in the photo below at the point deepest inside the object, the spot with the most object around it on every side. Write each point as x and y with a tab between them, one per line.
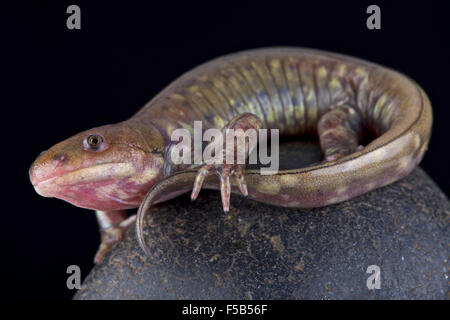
53	184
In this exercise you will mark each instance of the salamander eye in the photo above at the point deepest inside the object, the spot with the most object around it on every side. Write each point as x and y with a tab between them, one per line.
93	142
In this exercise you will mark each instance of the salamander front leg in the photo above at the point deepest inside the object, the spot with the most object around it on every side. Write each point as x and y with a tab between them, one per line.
340	131
223	168
112	226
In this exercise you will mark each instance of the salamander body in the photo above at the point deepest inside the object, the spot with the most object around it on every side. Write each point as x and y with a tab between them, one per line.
298	91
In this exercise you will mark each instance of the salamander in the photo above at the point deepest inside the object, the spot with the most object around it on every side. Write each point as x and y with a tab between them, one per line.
298	91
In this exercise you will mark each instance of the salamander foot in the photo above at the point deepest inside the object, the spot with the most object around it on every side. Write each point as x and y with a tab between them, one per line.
238	128
111	235
224	172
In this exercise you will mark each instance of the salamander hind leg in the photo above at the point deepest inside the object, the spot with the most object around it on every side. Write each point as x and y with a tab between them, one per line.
239	140
340	131
112	226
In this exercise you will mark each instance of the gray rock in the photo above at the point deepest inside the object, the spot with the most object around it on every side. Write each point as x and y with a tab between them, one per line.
259	251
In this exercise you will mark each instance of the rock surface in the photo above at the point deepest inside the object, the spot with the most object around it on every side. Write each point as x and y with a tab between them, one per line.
259	251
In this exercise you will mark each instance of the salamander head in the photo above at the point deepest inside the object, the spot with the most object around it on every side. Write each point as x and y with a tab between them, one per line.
106	168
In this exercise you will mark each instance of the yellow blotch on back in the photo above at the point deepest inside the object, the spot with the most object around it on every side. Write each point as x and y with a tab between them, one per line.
274	63
193	88
362	72
342	68
219	122
177	96
379	105
322	72
334	84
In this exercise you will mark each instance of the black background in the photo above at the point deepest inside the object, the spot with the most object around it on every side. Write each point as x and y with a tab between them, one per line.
57	82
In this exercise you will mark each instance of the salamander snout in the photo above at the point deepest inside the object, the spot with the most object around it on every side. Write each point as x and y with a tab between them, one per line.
59	159
45	166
